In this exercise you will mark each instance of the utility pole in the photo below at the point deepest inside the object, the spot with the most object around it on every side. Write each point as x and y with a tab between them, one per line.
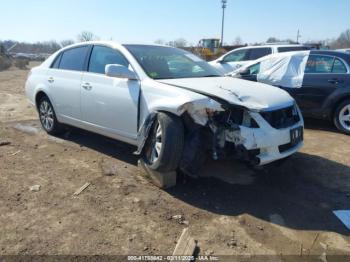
298	36
224	4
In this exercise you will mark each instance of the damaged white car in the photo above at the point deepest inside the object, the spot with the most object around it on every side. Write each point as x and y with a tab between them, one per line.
172	105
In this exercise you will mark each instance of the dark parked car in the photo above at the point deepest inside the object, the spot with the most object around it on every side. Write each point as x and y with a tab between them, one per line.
318	80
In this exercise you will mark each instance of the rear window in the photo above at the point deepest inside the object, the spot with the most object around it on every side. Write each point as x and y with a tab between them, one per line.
292	48
74	59
339	67
256	53
56	63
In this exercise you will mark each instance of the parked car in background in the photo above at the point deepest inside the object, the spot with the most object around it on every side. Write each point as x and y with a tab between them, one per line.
240	56
318	80
166	101
344	50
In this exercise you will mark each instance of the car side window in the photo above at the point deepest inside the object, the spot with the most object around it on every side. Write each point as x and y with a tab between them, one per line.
317	64
74	59
254	69
292	48
339	67
56	63
236	56
102	56
256	53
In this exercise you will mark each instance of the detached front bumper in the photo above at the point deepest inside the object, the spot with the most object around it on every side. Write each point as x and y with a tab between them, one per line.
266	144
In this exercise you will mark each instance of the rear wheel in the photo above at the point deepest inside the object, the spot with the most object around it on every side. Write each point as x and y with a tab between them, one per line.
48	118
342	117
164	147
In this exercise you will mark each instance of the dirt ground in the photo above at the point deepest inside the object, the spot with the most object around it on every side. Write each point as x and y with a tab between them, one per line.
231	210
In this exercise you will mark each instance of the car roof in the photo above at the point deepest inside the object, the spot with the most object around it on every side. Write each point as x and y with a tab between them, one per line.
270	46
111	43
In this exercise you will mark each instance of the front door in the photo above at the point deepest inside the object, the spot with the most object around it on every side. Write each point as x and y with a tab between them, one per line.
109	104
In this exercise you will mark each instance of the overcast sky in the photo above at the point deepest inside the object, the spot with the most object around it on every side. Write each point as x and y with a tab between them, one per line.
148	20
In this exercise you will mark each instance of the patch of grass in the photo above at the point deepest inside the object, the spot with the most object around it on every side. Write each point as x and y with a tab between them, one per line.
21	63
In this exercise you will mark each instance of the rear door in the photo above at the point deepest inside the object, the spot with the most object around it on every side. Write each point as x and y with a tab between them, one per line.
323	75
109	104
64	79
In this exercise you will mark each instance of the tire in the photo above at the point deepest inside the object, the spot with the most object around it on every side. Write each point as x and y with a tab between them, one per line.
48	118
341	117
163	150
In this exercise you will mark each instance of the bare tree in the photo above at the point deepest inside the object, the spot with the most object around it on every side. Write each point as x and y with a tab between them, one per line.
180	42
344	39
159	42
66	42
237	41
272	40
86	36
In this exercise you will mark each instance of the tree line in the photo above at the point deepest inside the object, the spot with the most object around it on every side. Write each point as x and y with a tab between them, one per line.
49	47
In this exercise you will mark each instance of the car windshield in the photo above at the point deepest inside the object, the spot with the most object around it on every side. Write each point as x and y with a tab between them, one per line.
161	62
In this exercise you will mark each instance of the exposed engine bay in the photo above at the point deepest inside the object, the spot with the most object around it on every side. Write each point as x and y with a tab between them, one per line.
220	131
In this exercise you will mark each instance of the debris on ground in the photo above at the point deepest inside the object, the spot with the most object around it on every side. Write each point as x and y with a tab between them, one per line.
260	228
35	188
185	246
184	222
81	189
15	153
4	142
232	243
209	252
177	217
136	200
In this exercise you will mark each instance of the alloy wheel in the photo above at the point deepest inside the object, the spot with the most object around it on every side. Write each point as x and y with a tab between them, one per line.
156	146
46	115
344	117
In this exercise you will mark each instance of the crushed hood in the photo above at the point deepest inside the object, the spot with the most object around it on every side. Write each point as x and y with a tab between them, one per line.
252	95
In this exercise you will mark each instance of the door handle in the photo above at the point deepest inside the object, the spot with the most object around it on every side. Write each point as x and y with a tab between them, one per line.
51	80
87	86
335	81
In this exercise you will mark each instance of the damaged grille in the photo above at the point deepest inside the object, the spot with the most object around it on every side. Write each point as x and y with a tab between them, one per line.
282	118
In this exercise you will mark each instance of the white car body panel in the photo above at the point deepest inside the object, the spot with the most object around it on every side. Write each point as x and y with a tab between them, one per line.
65	82
110	98
244	93
118	108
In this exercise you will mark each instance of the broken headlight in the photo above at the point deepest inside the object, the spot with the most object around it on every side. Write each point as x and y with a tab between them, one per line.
235	117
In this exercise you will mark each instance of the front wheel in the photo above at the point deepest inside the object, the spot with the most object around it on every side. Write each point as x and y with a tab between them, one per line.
164	147
48	118
342	117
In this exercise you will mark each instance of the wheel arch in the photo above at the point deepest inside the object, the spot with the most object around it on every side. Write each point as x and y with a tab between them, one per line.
337	102
38	96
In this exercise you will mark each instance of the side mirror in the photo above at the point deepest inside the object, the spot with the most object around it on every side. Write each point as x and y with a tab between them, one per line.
119	71
244	71
221	61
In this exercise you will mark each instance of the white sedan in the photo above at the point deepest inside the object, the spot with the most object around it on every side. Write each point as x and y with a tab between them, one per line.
172	105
